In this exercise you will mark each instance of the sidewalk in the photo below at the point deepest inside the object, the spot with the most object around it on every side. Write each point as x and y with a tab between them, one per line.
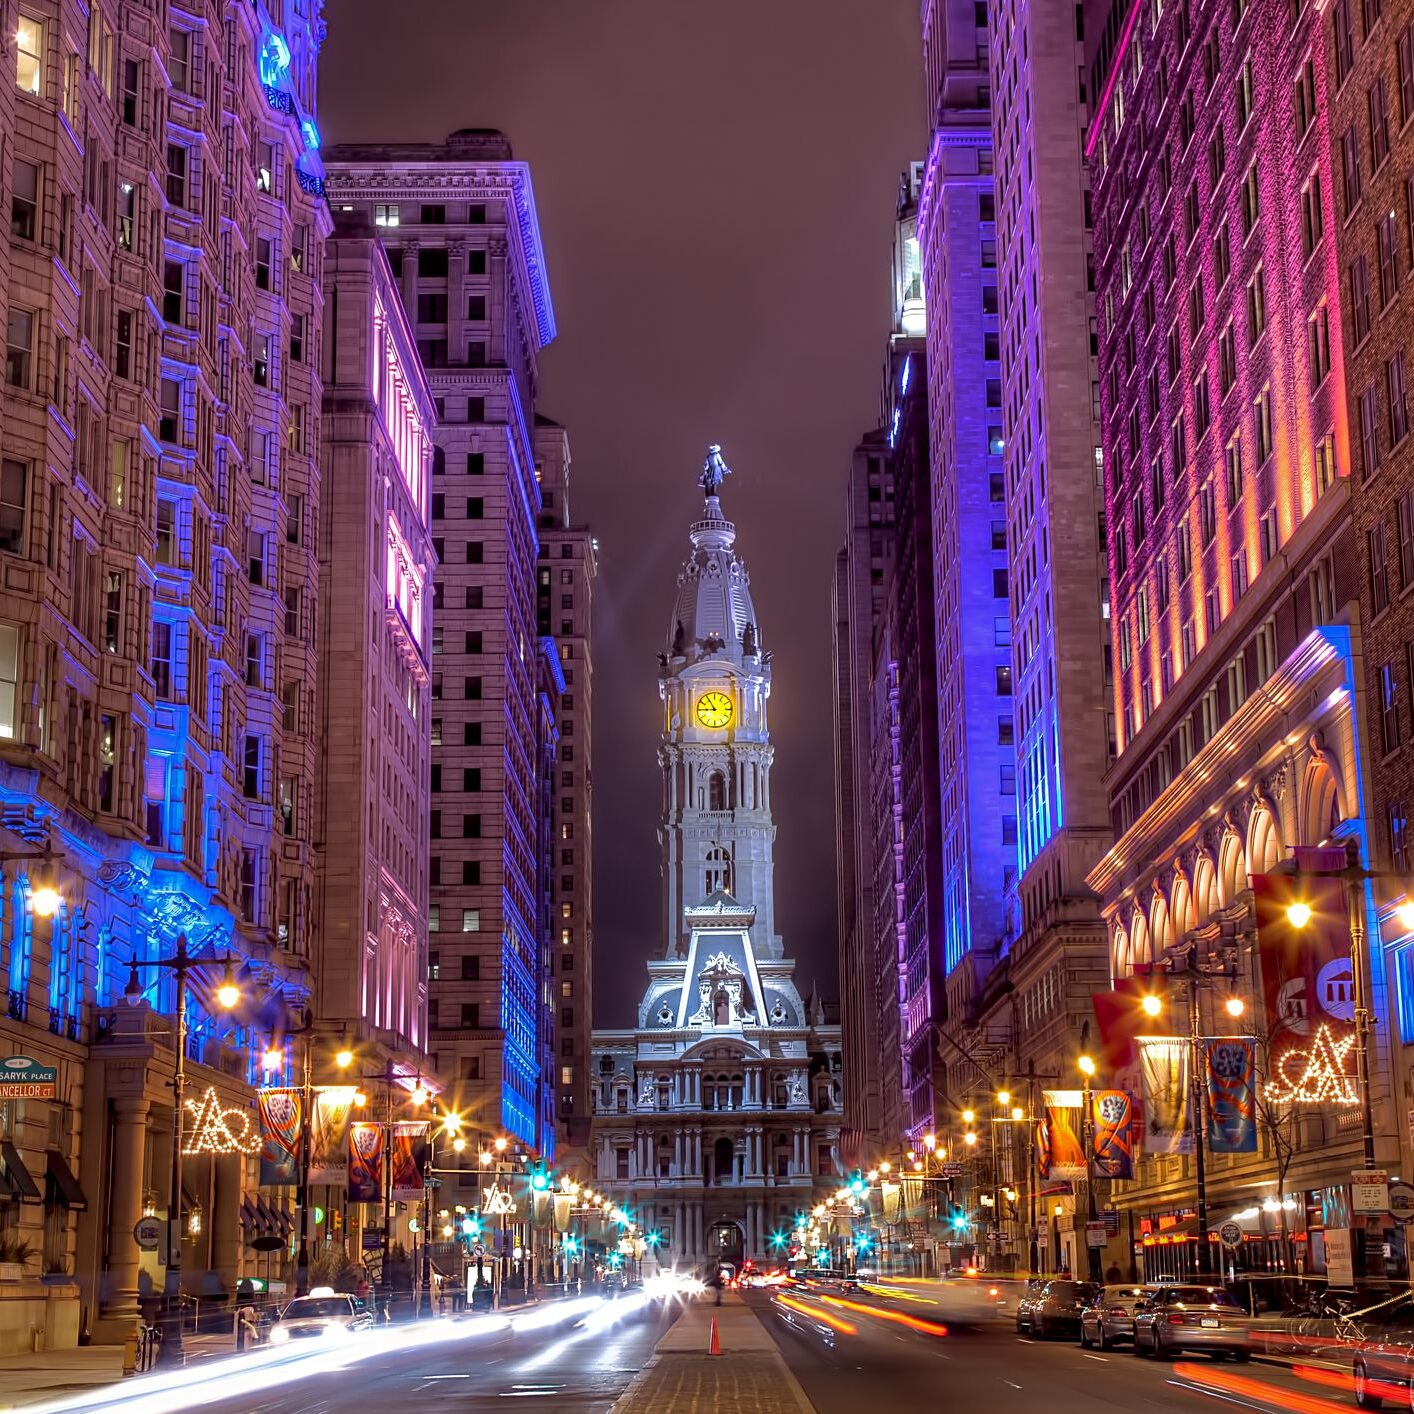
51	1374
750	1376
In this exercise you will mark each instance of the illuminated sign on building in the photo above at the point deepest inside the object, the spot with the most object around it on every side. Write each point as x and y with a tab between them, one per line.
405	581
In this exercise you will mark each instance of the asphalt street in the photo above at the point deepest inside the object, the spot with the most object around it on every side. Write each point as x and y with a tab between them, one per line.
881	1365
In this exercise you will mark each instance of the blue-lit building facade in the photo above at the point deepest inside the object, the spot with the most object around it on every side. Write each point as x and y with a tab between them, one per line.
159	429
458	221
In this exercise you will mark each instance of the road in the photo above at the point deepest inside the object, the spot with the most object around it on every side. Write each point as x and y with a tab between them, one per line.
572	1359
886	1366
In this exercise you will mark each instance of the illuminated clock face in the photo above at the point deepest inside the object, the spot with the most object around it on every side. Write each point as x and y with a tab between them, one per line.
714	709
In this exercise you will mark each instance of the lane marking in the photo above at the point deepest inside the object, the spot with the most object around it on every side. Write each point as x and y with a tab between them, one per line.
1226	1398
1009	1382
1103	1359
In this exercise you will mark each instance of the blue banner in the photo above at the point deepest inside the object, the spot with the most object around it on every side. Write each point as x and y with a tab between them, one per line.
1231	1064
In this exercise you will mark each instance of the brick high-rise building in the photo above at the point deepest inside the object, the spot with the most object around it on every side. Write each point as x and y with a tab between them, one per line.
1235	588
564	577
458	219
159	736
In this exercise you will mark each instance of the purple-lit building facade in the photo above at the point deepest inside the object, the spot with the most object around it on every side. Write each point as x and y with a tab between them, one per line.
971	616
158	609
1239	700
374	663
459	224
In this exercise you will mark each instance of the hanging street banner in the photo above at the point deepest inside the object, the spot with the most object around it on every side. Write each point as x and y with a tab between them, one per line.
892	1196
1059	1151
409	1160
1308	989
280	1117
365	1163
1114	1133
329	1135
1231	1064
1163	1062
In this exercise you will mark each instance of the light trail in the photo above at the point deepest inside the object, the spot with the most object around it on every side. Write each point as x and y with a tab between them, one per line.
1220	1382
912	1322
837	1323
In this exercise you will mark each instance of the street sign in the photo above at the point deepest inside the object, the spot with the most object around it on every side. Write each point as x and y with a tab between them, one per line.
1110	1218
1401	1201
1230	1234
1369	1191
955	1170
1094	1234
372	1239
22	1078
147	1233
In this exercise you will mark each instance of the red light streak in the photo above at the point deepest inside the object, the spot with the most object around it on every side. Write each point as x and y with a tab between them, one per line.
835	1322
1205	1376
912	1322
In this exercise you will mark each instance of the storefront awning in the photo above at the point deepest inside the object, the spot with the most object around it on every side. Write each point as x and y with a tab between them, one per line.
61	1187
16	1177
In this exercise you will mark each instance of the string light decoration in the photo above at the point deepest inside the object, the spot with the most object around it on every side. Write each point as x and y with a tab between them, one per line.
1315	1076
218	1130
498	1202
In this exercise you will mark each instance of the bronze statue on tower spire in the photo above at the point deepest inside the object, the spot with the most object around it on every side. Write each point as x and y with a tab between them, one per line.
714	471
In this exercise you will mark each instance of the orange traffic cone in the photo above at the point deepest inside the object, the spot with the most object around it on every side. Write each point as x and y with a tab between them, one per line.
714	1346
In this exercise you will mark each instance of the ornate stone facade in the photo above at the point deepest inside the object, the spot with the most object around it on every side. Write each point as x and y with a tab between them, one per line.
719	1113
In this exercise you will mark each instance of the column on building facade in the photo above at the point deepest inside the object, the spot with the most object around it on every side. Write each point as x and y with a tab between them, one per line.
130	1114
226	1220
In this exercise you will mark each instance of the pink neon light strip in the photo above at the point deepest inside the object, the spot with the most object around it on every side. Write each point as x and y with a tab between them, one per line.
1116	69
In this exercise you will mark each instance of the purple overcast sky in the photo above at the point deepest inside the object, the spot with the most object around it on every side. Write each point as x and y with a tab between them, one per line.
716	187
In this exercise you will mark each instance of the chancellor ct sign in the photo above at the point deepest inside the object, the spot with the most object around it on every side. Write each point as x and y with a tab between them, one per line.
22	1078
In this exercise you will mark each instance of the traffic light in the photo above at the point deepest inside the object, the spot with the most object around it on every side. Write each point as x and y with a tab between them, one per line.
539	1178
959	1218
857	1185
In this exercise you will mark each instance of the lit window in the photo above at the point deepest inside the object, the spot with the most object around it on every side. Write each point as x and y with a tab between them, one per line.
9	679
29	55
471	920
385	214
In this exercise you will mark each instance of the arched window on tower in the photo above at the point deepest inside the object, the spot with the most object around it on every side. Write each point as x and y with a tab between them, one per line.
719	870
717	791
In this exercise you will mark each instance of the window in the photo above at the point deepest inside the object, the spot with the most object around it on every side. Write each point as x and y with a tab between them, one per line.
24	200
177	174
1318	347
166	532
9	680
178	69
1262	424
112	611
250	766
385	214
1404	50
1256	307
1360	298
1399	856
19	347
1389	708
1236	683
29	55
1265	641
162	658
1313	220
169	422
1379	566
1003	680
471	920
1343	26
1369	432
1351	181
123	345
1245	95
1397	392
14	501
1232	467
1388	245
1251	201
1222	257
1378	107
432	262
262	262
1405	510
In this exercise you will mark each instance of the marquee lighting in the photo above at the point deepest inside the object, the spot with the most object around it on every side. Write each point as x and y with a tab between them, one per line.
1315	1076
218	1130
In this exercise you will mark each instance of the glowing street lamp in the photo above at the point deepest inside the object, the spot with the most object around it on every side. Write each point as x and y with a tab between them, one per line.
1151	1005
344	1058
1235	1006
1298	914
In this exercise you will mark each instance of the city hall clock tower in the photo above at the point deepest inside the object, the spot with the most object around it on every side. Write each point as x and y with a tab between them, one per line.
715	682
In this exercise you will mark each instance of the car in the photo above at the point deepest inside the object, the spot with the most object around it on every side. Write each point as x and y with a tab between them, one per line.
1055	1309
1193	1318
1384	1355
1026	1304
323	1314
1108	1317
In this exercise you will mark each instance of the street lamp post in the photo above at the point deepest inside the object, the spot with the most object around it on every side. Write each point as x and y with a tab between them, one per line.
180	964
1087	1142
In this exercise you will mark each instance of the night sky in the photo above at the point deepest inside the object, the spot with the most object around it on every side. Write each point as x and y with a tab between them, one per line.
716	187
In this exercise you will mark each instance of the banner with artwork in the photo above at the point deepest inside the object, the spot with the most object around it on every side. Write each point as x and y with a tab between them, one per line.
1114	1133
329	1135
892	1196
409	1160
1163	1062
1231	1063
1303	937
280	1120
1060	1152
365	1163
564	1211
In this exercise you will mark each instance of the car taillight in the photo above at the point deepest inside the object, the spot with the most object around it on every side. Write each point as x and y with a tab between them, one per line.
992	1291
1116	1311
1176	1319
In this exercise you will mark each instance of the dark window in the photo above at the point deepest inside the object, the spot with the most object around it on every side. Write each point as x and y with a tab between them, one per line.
432	263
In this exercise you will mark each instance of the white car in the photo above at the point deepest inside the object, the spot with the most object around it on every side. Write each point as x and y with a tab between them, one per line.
323	1314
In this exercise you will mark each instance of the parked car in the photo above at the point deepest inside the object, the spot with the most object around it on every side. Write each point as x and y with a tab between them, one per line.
1108	1317
1384	1355
1202	1319
1026	1304
1055	1309
323	1314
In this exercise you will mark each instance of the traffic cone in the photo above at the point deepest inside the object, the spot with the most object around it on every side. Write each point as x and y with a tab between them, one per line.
714	1346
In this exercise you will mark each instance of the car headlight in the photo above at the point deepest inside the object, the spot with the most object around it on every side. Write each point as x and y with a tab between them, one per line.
337	1329
279	1335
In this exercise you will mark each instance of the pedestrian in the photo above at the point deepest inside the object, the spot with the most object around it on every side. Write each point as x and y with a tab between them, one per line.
717	1284
1113	1275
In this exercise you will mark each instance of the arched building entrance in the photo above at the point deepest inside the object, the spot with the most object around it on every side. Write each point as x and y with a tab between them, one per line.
727	1243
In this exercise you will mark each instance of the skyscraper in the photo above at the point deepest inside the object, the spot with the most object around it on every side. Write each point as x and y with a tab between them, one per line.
159	743
565	571
458	219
